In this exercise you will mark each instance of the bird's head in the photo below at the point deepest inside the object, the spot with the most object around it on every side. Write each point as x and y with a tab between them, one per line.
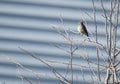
81	22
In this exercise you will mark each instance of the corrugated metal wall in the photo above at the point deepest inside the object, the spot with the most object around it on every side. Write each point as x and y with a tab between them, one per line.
28	24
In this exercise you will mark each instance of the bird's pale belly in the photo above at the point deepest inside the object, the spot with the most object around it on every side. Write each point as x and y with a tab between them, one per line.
80	29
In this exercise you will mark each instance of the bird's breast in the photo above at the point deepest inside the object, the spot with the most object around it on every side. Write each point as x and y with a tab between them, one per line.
80	28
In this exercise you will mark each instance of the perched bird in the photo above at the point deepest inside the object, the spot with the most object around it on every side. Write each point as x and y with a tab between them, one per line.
82	29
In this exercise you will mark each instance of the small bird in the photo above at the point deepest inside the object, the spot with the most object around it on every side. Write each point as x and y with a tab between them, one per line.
82	29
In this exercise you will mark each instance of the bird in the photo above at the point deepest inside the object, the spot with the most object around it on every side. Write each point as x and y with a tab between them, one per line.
82	29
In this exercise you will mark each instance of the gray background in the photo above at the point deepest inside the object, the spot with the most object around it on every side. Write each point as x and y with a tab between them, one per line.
28	24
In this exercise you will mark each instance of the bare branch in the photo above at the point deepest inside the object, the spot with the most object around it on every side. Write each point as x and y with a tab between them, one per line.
58	75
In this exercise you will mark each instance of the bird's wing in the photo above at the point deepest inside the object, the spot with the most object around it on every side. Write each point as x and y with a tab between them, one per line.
85	30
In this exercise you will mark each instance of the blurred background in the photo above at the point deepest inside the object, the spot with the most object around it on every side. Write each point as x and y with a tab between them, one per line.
27	24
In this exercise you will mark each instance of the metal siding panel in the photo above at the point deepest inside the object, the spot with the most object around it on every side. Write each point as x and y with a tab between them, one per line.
27	24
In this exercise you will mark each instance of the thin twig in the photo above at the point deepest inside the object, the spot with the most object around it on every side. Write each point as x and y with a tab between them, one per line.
58	75
71	61
96	31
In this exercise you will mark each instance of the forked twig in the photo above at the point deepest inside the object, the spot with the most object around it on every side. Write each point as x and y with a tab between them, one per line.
58	75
